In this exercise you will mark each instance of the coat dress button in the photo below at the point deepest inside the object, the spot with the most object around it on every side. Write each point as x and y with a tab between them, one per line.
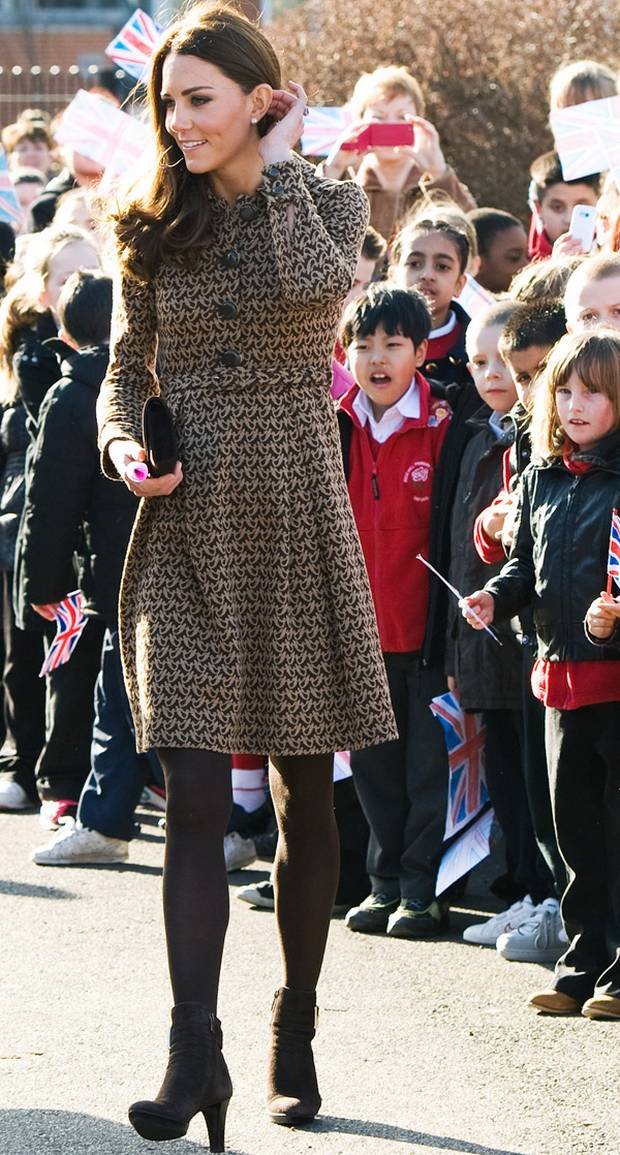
231	259
227	310
231	358
248	213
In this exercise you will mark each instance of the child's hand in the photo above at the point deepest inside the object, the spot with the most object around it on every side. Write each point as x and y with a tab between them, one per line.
601	616
426	149
453	685
567	246
507	535
46	610
494	518
480	605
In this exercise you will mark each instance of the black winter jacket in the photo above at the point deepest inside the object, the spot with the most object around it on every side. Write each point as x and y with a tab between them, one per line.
488	675
559	557
35	366
76	523
452	370
13	443
464	401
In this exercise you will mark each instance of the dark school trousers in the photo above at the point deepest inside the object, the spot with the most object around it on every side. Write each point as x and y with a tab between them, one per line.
24	695
506	785
403	786
583	753
64	763
118	775
553	877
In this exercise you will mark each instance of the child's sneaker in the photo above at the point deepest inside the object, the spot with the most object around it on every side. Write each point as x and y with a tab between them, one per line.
258	894
487	933
154	796
13	797
541	939
415	919
371	916
238	851
77	844
54	814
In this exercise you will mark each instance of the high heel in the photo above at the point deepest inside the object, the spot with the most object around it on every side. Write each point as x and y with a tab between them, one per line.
216	1121
293	1094
196	1079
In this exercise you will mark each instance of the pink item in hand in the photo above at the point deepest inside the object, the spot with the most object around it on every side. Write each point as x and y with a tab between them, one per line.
137	471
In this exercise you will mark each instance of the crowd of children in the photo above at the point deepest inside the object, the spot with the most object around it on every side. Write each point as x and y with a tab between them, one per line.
477	386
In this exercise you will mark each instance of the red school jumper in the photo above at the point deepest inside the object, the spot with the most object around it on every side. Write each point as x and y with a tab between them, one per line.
390	486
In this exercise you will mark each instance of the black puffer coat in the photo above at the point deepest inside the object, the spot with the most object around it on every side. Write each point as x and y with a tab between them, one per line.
13	444
488	675
77	523
559	557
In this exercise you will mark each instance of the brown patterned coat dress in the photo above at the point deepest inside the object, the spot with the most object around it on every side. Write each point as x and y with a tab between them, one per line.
246	618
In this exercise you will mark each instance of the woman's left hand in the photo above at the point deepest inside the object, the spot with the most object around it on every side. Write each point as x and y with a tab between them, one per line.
288	108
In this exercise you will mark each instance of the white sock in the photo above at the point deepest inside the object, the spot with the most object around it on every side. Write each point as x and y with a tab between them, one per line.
248	781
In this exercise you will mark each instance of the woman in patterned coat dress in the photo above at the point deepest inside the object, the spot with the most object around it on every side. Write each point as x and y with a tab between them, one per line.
246	619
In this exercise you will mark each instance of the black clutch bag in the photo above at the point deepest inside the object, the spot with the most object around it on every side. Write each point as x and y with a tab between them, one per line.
159	437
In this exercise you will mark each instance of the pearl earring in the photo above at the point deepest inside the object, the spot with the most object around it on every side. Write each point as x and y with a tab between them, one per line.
254	120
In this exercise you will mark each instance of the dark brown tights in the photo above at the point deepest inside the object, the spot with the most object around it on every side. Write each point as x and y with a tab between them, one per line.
198	787
307	863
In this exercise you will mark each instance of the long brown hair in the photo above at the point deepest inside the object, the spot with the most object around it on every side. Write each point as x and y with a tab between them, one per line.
168	215
595	357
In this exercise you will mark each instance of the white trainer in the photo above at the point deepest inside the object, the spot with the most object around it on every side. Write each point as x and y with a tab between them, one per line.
238	851
75	844
541	938
487	933
13	796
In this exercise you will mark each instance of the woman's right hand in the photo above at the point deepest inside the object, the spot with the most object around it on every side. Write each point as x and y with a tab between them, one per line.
123	453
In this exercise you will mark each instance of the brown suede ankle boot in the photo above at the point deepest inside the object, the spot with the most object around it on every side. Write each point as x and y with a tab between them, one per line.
196	1080
292	1093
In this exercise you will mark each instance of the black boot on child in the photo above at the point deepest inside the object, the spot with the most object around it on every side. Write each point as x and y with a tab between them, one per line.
196	1080
293	1094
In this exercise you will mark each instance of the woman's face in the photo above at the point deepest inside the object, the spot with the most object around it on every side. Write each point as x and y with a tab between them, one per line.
208	114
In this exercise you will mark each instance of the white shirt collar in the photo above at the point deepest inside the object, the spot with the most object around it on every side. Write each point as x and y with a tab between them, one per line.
445	329
393	418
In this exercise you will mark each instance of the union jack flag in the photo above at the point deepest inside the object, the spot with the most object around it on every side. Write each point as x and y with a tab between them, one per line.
70	621
322	127
133	47
613	559
10	208
465	736
587	137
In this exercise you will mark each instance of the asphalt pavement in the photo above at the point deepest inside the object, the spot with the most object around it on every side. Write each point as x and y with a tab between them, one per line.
422	1047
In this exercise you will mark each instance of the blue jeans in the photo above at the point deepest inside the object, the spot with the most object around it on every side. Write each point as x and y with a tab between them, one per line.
113	788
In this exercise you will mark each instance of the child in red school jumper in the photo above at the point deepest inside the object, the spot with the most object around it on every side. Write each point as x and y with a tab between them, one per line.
392	431
558	564
552	200
525	343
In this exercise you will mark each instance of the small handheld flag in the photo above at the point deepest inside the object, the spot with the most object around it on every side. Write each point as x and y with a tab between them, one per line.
70	621
613	557
133	47
465	737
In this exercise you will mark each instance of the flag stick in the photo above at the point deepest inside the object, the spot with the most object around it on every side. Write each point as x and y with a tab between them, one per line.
459	598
